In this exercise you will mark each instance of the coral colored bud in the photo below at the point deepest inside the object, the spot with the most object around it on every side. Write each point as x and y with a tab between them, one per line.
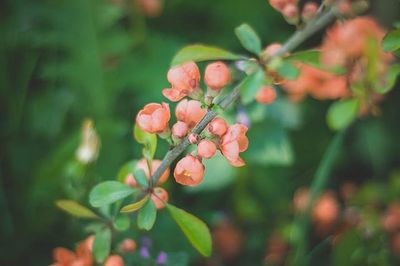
309	11
128	245
281	4
190	112
217	75
142	164
193	138
180	129
159	197
234	142
184	80
218	127
150	8
270	51
291	14
114	260
266	95
189	171
154	117
130	180
345	8
206	149
326	209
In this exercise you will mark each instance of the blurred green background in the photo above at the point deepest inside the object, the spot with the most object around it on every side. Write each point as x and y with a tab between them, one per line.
66	60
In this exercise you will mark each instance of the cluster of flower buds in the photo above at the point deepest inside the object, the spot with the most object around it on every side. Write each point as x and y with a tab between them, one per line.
230	140
346	45
291	11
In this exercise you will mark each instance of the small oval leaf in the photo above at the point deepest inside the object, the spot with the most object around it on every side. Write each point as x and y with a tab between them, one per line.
248	38
135	206
199	52
251	85
194	229
102	244
148	140
141	178
122	223
288	70
390	80
342	113
75	209
391	42
147	216
108	192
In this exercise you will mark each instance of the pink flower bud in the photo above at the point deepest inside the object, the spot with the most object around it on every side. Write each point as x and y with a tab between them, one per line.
218	127
266	95
291	14
193	138
180	129
189	171
128	245
234	142
142	164
159	197
184	80
280	4
154	117
309	11
190	112
217	75
272	49
150	8
326	209
114	260
206	149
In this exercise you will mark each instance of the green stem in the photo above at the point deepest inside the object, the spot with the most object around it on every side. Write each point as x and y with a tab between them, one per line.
302	223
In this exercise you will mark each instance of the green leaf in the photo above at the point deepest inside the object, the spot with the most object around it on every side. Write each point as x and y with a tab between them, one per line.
199	52
108	192
390	80
126	169
342	113
194	229
122	223
75	209
141	178
148	140
310	57
248	38
287	70
102	244
135	206
147	216
251	85
391	42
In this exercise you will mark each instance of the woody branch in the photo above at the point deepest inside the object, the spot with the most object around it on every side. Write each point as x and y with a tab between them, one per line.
297	38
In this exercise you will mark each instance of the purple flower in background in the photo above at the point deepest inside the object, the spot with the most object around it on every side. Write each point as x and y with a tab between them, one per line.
144	252
162	258
243	118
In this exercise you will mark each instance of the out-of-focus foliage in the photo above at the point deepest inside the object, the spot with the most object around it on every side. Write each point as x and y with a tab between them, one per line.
67	60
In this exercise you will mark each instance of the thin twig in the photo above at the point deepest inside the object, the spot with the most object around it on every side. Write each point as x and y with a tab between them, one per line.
297	38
